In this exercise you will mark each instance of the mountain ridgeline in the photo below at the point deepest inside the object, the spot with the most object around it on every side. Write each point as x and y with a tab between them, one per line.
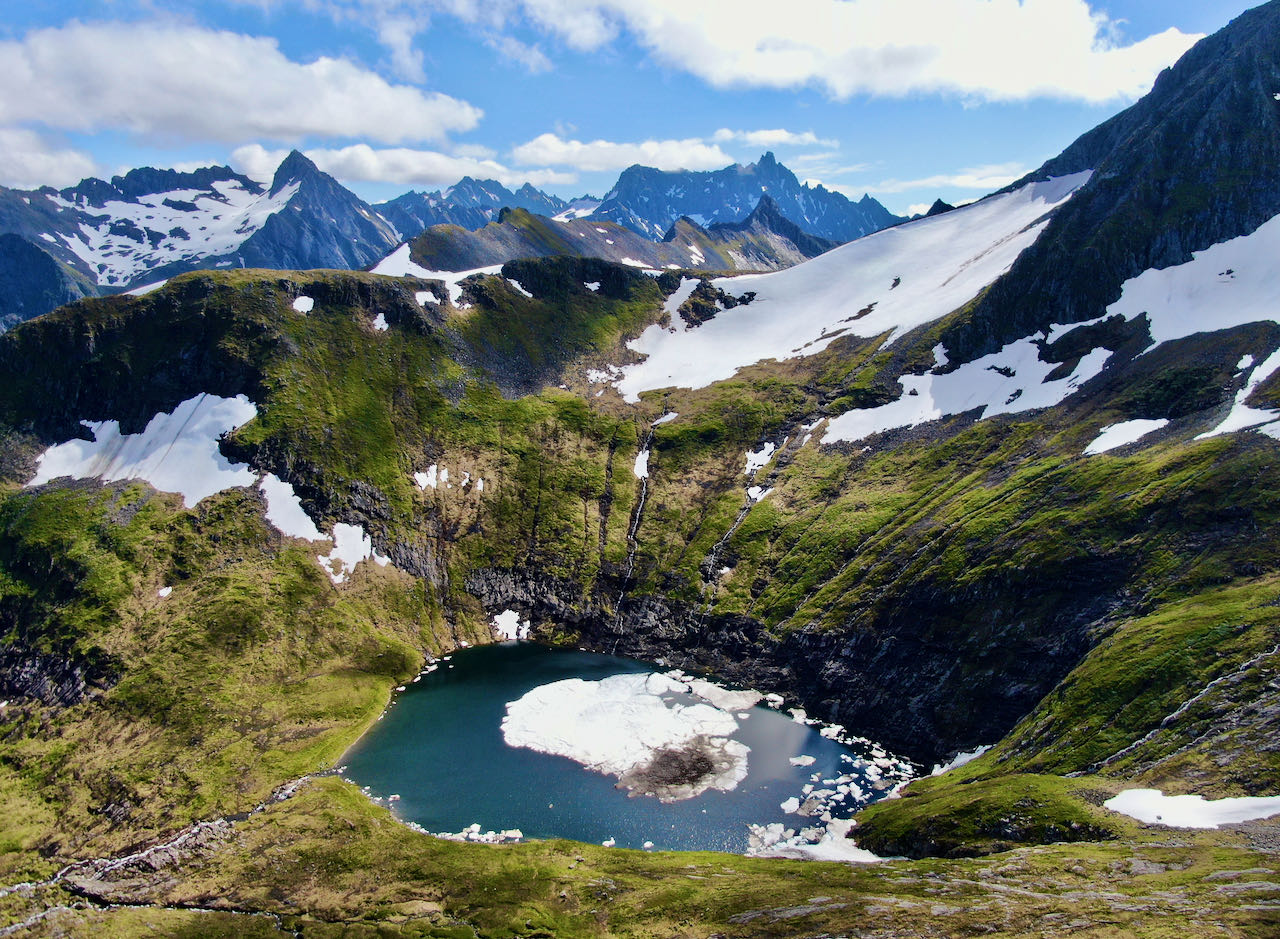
102	237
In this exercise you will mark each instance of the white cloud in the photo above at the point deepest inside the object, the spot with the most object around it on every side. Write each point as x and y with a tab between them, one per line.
986	178
362	163
772	138
28	161
998	50
166	81
919	208
603	155
531	57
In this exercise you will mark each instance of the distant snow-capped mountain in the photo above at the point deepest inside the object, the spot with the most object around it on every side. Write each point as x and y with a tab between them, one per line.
649	200
149	224
471	204
103	237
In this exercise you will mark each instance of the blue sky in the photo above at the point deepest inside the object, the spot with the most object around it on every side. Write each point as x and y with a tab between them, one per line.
909	100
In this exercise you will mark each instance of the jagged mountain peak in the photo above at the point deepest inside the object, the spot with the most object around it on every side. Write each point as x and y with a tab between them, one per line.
295	167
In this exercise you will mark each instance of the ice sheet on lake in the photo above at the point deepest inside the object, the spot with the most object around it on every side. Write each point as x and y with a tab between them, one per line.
1154	807
176	452
623	725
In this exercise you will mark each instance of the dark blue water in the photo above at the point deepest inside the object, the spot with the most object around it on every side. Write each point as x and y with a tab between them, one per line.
440	748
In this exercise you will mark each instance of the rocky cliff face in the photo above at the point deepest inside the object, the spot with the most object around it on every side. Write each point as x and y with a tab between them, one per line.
1190	165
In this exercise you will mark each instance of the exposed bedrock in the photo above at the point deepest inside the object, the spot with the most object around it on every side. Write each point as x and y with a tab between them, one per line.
930	672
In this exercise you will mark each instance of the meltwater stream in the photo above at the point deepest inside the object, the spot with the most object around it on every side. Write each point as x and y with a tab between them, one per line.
440	749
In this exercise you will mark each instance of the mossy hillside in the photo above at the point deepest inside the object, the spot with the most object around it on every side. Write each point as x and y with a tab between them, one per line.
254	671
327	862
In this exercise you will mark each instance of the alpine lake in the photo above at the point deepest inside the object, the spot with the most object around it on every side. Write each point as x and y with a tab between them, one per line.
439	757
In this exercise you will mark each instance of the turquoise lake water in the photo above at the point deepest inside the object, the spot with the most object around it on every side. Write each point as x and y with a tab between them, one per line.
440	748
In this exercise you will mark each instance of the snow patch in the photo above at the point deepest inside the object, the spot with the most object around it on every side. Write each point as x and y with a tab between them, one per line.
519	289
145	288
285	511
397	264
682	293
669	416
1241	416
350	546
304	304
380	323
1154	807
508	626
176	452
592	285
641	468
1126	432
759	458
959	760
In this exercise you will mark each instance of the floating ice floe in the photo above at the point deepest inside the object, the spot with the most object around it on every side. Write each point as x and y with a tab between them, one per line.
1154	807
635	727
826	842
473	834
1126	432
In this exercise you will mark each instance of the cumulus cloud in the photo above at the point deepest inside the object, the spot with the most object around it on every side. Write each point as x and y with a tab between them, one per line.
990	49
28	161
165	81
986	178
602	155
772	138
363	163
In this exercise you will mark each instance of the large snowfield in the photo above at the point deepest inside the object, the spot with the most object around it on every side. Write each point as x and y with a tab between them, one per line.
888	282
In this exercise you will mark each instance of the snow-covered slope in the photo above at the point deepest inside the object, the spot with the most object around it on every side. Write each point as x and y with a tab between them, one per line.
1225	286
123	239
888	282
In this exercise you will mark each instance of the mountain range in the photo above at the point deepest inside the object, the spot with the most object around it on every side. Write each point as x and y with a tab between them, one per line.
103	237
993	491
